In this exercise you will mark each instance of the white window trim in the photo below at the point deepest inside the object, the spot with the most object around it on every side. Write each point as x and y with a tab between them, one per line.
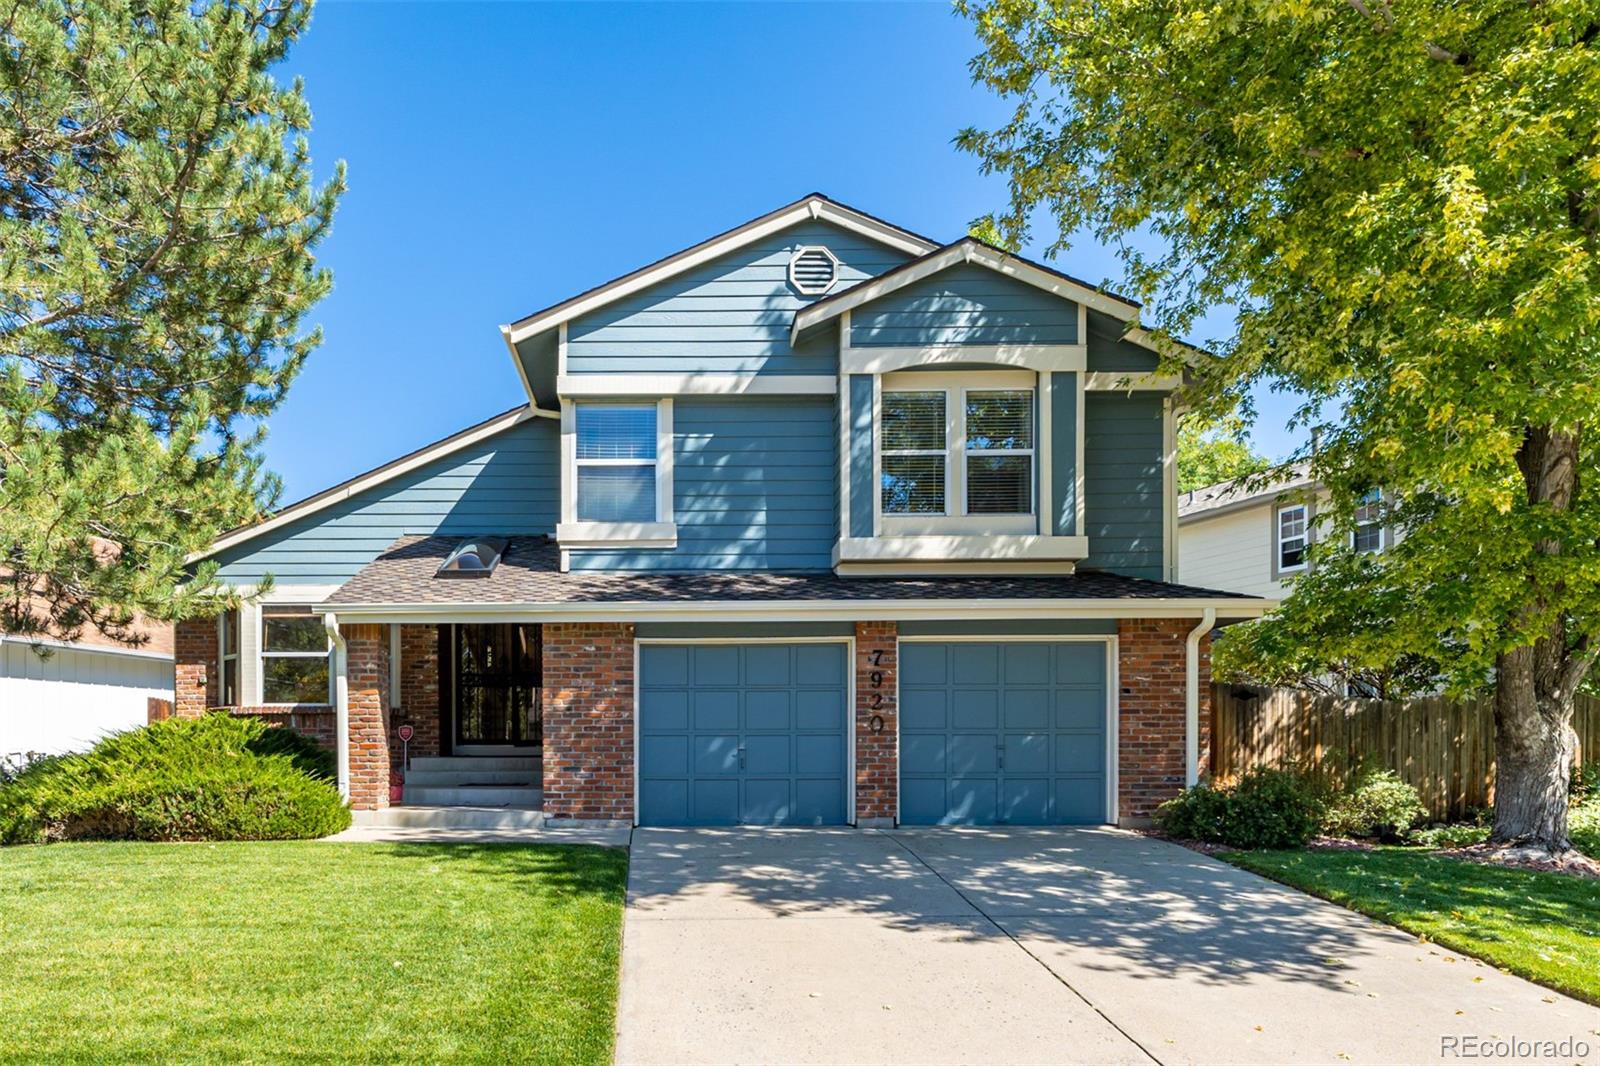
262	655
955	520
1305	537
223	658
1377	524
572	533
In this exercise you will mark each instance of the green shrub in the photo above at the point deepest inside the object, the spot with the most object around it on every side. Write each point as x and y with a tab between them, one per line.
1375	803
1585	783
1265	808
1458	835
212	778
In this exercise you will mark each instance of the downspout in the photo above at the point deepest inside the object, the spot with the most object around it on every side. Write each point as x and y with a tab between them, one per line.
341	704
1191	697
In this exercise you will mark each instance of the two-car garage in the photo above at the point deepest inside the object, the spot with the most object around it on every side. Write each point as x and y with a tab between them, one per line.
991	732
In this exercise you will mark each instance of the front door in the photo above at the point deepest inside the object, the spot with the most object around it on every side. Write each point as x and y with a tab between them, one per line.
496	685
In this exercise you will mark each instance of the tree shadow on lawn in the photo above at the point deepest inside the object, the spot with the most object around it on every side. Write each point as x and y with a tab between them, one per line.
1101	900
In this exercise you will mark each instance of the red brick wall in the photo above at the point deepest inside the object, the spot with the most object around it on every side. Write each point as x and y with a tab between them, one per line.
195	670
419	691
1150	667
368	647
318	723
877	754
588	721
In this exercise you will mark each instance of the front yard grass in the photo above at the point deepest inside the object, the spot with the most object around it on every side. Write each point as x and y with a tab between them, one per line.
273	951
1542	926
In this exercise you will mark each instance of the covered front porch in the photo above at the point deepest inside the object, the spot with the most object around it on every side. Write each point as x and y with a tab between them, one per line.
446	714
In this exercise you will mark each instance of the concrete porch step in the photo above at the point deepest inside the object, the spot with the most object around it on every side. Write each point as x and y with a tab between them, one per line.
451	763
472	796
420	817
456	778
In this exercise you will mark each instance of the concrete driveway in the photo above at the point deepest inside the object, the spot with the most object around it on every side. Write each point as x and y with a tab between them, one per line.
1008	945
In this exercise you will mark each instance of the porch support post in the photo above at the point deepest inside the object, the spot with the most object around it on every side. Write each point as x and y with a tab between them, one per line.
1191	697
341	704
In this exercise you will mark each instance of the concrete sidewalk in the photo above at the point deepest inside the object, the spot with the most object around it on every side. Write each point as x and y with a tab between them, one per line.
994	945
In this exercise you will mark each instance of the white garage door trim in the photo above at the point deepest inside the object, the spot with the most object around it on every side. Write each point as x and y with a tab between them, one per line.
849	703
1113	702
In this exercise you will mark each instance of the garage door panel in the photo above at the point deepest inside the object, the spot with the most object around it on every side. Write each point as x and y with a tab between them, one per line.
975	709
923	708
764	709
822	755
664	756
741	734
1027	708
1027	664
1024	747
767	755
821	709
1025	801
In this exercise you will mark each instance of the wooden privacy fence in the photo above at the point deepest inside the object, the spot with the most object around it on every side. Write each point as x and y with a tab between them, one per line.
1443	747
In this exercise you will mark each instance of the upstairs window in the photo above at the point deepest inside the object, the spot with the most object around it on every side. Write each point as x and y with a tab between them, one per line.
914	453
1368	534
1293	537
616	459
294	656
999	451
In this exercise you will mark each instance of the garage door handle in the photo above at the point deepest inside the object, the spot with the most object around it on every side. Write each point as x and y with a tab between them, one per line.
741	756
1000	755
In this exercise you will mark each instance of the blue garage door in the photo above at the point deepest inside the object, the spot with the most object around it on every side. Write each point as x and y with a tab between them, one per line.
742	734
1003	733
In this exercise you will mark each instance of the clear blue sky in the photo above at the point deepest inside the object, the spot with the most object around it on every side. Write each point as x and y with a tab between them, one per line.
503	156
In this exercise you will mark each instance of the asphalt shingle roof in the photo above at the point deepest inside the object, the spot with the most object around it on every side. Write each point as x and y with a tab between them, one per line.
529	572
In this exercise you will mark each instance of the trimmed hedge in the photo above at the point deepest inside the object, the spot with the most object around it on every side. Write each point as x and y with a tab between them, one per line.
217	777
1265	808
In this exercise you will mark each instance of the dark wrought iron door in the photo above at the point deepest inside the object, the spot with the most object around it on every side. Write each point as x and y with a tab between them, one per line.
497	679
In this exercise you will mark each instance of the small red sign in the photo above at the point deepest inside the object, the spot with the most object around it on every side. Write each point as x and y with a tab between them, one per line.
406	733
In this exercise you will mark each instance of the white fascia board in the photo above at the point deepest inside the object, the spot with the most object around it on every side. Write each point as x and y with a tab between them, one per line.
516	361
805	210
950	255
1127	381
804	610
362	482
1037	357
975	547
582	386
78	645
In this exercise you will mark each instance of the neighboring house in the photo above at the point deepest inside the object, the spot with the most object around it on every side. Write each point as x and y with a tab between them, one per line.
58	695
816	522
1253	536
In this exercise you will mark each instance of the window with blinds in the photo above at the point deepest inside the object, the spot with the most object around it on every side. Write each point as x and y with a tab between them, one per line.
999	451
616	460
913	453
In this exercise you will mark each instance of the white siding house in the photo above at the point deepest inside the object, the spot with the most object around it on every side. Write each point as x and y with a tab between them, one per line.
57	697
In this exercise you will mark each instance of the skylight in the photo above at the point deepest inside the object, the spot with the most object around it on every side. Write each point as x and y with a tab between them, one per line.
474	557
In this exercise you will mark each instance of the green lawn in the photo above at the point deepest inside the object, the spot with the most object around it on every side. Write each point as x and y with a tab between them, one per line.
1545	927
271	951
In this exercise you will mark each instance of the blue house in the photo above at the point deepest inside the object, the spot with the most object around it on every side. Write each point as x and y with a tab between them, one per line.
819	521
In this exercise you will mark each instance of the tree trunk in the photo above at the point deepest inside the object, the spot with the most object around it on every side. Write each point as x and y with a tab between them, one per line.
1535	683
1534	745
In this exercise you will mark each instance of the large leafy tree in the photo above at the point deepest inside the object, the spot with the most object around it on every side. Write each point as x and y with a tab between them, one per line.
1404	201
1210	452
158	217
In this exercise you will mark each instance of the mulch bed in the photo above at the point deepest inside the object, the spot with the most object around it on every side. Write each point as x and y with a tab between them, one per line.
1573	862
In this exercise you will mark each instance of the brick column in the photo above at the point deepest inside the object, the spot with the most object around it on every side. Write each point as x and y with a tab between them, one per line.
195	669
419	690
877	706
588	721
1150	733
368	680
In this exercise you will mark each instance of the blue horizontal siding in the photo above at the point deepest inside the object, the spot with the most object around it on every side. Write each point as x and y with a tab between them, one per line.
1122	484
730	315
1109	351
965	304
508	483
754	488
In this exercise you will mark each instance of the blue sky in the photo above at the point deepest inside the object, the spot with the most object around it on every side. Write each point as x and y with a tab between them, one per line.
503	156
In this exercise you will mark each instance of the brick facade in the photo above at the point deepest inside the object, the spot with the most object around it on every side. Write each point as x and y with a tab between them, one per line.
368	658
419	692
588	721
876	713
1150	732
195	670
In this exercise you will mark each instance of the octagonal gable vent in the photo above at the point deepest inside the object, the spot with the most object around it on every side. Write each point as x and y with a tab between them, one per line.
813	270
